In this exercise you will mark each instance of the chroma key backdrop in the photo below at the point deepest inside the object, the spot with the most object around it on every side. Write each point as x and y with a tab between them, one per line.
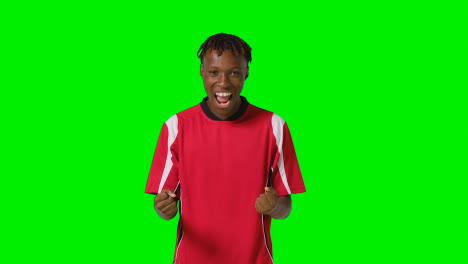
371	92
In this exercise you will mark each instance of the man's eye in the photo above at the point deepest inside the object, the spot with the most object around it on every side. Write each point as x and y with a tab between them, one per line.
236	73
213	72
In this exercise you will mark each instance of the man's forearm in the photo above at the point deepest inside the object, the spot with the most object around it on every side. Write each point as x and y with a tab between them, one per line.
283	208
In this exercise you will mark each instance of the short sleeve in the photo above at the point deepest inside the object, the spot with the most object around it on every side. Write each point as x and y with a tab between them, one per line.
164	172
286	176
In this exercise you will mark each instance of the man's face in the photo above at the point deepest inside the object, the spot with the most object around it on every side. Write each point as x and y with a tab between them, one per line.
223	78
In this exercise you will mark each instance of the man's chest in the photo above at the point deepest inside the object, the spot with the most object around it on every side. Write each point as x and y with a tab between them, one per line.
225	155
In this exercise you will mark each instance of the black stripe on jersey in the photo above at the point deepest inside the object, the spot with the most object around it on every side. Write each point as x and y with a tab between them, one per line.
269	178
180	223
179	239
177	188
266	238
181	232
239	113
270	173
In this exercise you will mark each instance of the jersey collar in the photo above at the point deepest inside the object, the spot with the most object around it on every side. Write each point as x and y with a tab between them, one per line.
239	113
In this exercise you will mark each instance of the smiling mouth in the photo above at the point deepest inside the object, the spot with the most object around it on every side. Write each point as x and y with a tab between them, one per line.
223	99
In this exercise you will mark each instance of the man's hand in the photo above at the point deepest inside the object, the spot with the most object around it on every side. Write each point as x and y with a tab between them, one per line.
267	201
165	204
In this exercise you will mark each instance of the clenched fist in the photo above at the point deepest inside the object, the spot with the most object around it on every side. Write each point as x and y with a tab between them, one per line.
165	204
267	201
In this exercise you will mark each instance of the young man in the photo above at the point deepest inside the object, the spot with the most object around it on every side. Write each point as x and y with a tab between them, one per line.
231	165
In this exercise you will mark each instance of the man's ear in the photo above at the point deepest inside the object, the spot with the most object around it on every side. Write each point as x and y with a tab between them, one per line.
201	70
247	73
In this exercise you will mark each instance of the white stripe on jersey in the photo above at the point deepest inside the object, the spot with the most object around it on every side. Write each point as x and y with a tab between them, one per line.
278	124
182	228
264	233
172	134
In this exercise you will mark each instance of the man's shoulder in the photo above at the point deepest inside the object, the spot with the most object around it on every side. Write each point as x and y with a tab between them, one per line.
190	112
266	114
186	114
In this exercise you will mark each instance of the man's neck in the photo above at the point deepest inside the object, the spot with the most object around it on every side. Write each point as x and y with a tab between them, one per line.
237	112
225	116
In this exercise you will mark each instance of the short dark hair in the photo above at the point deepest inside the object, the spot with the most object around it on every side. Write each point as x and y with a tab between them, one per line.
221	42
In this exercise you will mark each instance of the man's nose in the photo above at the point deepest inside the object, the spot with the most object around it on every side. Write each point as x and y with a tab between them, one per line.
223	80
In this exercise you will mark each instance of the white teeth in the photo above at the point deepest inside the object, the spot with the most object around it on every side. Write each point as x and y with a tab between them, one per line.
223	94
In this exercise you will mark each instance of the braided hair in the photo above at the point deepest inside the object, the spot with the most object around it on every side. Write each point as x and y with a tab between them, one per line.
221	42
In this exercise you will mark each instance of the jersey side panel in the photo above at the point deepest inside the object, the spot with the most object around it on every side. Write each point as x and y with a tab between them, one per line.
164	168
286	175
291	164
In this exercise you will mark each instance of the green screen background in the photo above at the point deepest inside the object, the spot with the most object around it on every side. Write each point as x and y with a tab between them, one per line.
371	92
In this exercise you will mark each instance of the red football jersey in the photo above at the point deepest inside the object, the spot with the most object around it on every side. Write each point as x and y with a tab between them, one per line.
218	169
